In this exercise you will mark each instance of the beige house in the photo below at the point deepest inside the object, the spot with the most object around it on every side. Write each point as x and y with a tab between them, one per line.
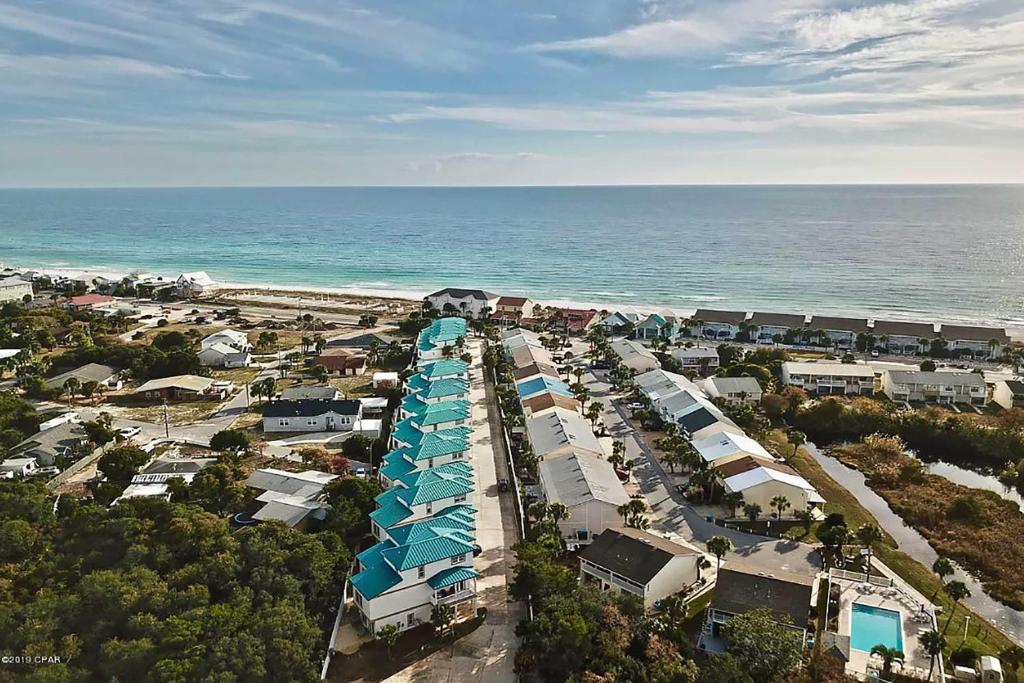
935	387
1009	393
513	308
761	481
14	289
588	486
733	390
825	378
635	355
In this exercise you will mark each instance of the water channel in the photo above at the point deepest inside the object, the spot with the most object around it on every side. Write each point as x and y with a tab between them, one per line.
975	480
1006	619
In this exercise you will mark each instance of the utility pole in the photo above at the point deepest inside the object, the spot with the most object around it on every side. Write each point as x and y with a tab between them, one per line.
167	427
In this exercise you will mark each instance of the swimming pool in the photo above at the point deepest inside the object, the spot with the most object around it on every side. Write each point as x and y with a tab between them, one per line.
870	626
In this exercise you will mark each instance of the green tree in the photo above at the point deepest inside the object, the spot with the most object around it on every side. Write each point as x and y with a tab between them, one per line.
933	643
389	633
797	439
957	591
71	387
235	441
868	535
943	567
320	374
766	648
120	464
594	412
780	503
752	511
732	500
724	668
719	546
888	655
633	513
441	616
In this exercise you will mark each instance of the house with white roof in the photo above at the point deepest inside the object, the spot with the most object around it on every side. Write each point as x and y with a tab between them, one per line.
471	303
194	283
1009	393
658	384
222	355
559	432
588	486
14	289
718	449
935	387
294	498
825	378
733	390
700	359
635	355
760	481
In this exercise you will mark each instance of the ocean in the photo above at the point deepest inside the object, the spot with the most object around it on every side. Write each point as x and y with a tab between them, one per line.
929	253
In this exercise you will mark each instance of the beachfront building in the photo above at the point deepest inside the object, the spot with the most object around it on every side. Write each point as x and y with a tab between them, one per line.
826	378
840	333
741	588
193	284
295	498
468	303
226	349
509	310
588	486
14	289
442	337
1009	393
702	360
620	321
919	386
766	328
714	324
553	433
576	320
184	388
981	342
640	563
311	415
761	481
657	326
733	390
900	337
635	356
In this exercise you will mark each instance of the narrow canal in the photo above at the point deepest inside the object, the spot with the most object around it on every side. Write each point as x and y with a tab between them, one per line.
1007	619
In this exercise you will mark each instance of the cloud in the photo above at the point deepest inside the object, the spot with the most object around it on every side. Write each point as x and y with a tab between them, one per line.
474	162
62	29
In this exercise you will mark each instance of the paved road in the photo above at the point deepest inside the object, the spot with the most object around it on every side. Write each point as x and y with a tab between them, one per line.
672	514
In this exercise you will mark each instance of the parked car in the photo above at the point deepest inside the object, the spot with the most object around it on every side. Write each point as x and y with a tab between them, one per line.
635	406
503	484
128	432
874	353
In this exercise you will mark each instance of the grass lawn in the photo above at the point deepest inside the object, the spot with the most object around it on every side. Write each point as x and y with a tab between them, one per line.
239	376
177	413
983	637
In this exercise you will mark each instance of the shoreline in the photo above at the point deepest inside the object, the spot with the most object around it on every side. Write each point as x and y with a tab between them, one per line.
1015	329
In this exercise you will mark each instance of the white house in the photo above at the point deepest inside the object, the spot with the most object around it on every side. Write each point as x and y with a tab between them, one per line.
588	486
233	338
935	387
559	431
470	303
896	336
224	356
643	564
619	321
772	327
635	355
1009	393
718	449
982	342
194	284
760	481
700	359
839	332
290	497
18	467
733	389
714	324
439	335
14	289
311	415
823	378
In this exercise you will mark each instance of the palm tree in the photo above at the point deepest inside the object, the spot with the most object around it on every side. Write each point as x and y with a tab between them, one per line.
868	534
719	546
806	517
888	655
306	343
71	387
732	500
752	510
618	456
797	438
594	412
780	503
633	513
933	643
957	591
943	567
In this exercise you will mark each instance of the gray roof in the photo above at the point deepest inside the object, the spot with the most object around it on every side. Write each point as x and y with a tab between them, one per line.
559	429
53	441
310	408
830	323
177	465
90	372
741	589
972	379
309	392
710	315
456	293
13	282
270	479
904	329
968	333
790	320
362	341
579	478
734	385
1016	387
634	554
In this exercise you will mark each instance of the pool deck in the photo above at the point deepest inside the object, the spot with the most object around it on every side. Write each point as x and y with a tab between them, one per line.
899	598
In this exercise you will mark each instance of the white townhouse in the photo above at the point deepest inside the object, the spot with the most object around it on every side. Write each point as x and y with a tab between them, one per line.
311	415
640	563
935	387
470	303
733	390
841	333
775	327
635	356
982	342
439	339
433	450
703	360
588	486
901	337
714	324
824	378
14	289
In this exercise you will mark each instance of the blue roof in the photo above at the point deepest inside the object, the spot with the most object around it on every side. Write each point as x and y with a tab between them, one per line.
395	465
444	368
389	511
412	404
444	388
458	468
407	433
450	577
442	442
377	576
543	383
440	544
440	331
454	518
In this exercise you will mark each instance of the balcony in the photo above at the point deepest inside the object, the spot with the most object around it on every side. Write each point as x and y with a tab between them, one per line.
452	597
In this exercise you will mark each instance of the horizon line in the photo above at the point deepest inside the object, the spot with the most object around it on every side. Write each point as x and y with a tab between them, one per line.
517	186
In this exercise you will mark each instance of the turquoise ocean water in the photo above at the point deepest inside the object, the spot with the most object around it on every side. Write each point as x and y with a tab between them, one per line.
917	252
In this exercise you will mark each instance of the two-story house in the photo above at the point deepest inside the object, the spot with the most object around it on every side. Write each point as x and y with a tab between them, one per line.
824	378
714	324
469	303
935	387
441	334
775	327
901	337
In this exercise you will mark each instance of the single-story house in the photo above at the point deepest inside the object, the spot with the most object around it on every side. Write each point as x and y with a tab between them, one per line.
733	389
643	564
824	378
742	588
935	387
104	375
184	388
839	332
659	384
18	467
897	336
635	355
342	361
14	289
45	447
290	497
718	449
588	486
87	301
152	481
982	342
235	338
61	419
473	303
560	431
534	369
306	392
541	384
700	359
718	324
1009	393
528	355
549	400
221	355
760	481
311	415
774	327
364	341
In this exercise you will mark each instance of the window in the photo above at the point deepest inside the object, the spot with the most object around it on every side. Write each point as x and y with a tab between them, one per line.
460	499
282	423
421	572
459	558
430	462
430	509
359	598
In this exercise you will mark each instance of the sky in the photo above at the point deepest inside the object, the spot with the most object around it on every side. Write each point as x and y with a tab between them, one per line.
97	93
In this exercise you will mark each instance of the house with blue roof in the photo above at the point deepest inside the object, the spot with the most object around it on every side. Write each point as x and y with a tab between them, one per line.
447	368
419	494
433	449
435	391
440	334
541	384
420	418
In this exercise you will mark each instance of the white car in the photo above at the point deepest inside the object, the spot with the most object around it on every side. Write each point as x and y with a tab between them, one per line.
635	406
128	432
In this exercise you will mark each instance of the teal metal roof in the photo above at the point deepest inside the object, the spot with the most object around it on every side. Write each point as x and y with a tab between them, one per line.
412	404
377	576
395	465
445	411
440	331
406	432
453	520
439	547
450	577
444	368
440	443
389	510
457	468
444	388
416	383
436	487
